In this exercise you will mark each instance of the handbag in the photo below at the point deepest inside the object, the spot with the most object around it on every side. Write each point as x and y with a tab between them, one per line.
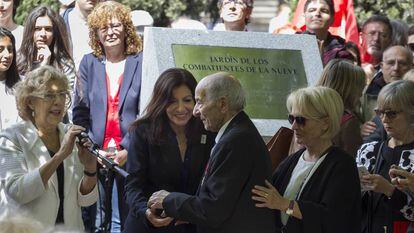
279	146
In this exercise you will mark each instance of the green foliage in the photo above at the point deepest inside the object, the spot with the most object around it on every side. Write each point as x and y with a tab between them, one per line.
165	11
394	9
26	6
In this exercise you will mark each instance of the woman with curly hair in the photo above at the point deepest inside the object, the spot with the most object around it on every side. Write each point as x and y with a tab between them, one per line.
107	76
46	42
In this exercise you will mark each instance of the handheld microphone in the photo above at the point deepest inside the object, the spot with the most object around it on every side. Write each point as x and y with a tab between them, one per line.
84	135
94	150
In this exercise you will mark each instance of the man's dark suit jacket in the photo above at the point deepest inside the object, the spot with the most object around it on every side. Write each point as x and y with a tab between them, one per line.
223	203
154	167
90	101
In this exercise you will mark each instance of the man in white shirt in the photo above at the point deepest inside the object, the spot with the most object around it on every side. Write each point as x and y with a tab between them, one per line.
76	23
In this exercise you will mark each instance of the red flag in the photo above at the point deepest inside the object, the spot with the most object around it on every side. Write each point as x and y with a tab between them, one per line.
344	25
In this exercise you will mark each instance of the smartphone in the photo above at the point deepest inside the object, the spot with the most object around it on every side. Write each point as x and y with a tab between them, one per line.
398	168
362	170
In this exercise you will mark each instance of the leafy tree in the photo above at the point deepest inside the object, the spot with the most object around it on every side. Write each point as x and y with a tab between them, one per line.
394	9
26	6
165	11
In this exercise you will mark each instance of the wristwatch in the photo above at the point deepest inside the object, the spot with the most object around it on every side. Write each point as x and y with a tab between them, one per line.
289	210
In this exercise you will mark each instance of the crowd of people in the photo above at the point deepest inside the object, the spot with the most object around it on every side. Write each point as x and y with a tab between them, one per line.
196	161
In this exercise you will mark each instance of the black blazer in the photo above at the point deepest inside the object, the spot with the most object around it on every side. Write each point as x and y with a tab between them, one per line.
224	202
331	199
155	167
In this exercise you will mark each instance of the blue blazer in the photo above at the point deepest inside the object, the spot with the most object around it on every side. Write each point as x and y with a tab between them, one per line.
90	100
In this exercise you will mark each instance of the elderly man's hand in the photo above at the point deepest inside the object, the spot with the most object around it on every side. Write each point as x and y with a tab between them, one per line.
157	221
156	199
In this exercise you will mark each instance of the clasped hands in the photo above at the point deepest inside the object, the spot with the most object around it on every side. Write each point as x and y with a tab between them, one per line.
155	212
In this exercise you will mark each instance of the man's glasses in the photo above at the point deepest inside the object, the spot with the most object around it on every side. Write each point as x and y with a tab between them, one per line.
300	120
390	114
236	2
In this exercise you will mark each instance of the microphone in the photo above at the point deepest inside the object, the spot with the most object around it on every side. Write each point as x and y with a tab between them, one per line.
84	135
94	150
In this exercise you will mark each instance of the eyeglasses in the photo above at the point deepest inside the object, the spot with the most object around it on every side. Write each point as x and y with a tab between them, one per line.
51	97
411	46
113	26
390	114
300	120
236	2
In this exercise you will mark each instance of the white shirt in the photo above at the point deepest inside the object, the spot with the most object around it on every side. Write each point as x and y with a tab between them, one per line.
222	129
18	36
8	108
303	170
114	72
79	34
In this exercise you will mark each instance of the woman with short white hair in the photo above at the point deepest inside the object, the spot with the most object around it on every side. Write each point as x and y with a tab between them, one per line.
316	189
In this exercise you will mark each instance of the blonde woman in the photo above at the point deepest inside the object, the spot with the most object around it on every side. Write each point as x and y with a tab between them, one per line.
349	81
316	189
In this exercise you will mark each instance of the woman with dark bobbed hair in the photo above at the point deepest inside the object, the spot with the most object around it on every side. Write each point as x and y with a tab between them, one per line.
169	149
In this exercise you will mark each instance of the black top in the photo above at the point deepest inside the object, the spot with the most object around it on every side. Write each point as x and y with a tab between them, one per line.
160	167
330	200
223	203
61	184
376	84
380	211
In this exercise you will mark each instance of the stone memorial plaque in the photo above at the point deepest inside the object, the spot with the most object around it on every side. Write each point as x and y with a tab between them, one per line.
269	67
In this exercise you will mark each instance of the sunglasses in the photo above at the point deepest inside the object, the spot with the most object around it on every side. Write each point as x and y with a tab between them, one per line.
390	114
300	120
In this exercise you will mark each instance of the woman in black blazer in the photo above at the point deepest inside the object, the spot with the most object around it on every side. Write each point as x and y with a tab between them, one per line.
317	188
169	150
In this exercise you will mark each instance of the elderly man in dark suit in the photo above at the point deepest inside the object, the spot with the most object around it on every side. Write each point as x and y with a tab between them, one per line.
239	159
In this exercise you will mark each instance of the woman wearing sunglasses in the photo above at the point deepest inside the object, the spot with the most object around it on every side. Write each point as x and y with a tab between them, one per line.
384	206
316	188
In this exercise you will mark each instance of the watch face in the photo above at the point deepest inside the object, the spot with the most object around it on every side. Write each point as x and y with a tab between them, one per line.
289	211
